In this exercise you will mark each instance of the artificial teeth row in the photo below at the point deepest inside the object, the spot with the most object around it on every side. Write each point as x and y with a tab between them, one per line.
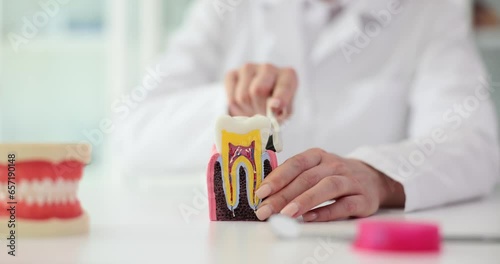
41	192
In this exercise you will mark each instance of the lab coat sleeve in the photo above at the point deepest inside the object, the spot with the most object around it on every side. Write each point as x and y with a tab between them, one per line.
172	129
452	150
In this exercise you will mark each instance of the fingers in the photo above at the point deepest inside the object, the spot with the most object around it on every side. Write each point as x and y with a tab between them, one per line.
249	87
288	171
304	182
299	185
242	93
327	189
262	86
284	92
230	83
349	206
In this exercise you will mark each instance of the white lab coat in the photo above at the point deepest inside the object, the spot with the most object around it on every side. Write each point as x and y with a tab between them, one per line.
396	102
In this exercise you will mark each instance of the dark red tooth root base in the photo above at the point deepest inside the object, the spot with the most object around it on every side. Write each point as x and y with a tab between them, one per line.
243	212
39	170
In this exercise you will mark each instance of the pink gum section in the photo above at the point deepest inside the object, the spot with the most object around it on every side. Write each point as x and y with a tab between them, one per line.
210	184
210	179
274	159
38	170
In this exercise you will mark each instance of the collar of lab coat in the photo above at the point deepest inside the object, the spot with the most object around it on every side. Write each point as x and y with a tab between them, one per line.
345	28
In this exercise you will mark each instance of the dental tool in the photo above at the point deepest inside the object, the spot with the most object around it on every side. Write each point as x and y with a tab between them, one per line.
275	128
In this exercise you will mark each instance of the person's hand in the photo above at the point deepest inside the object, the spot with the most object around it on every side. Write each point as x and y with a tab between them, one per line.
249	88
315	176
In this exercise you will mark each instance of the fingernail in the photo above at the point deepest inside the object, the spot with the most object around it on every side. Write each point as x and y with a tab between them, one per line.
290	210
274	102
264	212
310	217
263	191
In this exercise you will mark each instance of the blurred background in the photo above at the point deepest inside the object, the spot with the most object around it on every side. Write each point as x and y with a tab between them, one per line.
64	62
57	84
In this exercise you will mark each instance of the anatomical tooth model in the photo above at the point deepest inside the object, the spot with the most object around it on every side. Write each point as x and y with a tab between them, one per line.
243	155
45	179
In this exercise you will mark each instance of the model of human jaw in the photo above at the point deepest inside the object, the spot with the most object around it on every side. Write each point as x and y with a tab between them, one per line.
46	178
242	157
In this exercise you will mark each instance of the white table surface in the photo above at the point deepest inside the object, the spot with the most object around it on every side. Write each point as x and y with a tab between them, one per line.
139	221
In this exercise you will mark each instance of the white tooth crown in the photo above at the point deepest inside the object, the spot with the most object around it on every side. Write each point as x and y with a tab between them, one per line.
242	125
43	191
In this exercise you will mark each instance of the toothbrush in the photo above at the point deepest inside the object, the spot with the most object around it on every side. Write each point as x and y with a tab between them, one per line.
285	227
